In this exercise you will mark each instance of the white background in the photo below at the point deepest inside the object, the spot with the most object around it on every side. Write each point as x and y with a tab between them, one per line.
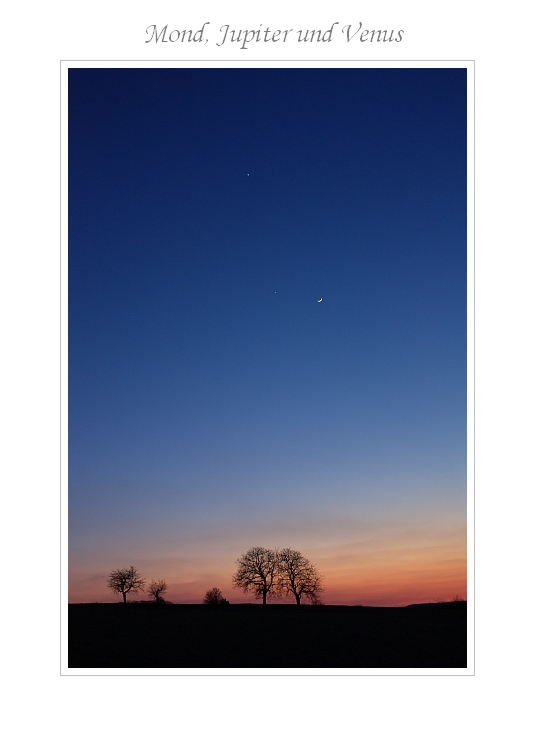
36	36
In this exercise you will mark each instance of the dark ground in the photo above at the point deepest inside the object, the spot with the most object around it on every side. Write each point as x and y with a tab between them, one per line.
136	635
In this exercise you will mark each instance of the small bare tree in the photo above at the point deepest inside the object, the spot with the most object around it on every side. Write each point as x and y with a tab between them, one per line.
257	571
155	588
297	576
126	580
214	597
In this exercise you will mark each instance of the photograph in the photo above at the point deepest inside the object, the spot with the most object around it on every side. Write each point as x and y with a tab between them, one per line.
268	348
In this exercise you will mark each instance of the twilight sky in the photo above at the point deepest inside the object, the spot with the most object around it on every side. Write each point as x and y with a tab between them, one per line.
215	403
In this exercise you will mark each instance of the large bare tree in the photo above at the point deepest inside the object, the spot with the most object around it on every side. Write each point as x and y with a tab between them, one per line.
297	576
126	580
155	588
257	571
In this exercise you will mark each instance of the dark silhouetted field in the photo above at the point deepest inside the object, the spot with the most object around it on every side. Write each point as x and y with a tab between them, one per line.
115	635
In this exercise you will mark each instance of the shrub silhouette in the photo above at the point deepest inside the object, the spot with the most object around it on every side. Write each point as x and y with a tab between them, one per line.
214	597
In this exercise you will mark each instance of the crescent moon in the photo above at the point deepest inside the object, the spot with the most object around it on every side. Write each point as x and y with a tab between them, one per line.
320	300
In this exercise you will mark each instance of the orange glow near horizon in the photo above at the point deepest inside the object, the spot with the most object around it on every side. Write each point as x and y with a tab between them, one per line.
398	570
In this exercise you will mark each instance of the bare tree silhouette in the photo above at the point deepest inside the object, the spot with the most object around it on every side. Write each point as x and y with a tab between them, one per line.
297	576
214	597
155	588
257	571
126	580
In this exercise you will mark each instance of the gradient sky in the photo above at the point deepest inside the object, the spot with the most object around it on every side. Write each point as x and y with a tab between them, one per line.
214	403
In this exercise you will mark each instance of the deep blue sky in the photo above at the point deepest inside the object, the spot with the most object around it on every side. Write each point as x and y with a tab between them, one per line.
209	211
